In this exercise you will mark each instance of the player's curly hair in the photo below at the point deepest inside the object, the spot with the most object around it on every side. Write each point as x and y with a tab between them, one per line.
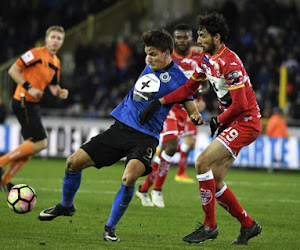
158	38
214	23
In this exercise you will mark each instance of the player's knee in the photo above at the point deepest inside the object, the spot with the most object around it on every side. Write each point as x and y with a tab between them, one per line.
40	145
129	180
73	164
202	165
171	149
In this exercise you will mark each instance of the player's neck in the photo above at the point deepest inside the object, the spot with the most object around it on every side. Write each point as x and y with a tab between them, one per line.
217	49
181	54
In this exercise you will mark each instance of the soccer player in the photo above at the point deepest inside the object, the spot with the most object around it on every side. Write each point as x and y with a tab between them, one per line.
176	125
238	125
127	137
33	72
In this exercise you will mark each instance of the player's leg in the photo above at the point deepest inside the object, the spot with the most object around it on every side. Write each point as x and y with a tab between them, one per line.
16	163
140	151
72	180
23	150
142	192
185	147
150	179
34	135
13	169
212	156
234	138
188	132
134	169
166	160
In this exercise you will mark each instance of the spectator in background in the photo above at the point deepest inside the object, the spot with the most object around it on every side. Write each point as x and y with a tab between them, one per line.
123	54
276	126
277	129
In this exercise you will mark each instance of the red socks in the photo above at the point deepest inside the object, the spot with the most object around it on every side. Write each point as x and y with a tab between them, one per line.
207	189
184	153
151	177
165	163
226	198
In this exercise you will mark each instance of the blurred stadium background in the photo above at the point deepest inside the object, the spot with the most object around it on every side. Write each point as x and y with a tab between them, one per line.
265	34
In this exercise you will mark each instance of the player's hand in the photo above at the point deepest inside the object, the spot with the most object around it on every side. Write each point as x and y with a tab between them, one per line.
197	119
35	93
214	125
149	111
63	94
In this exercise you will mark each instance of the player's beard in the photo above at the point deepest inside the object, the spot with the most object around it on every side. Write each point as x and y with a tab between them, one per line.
212	49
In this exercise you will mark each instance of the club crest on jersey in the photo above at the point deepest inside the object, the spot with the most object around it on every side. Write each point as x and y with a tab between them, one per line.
165	77
146	87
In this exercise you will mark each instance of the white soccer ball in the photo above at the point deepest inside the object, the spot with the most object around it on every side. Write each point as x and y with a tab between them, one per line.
21	198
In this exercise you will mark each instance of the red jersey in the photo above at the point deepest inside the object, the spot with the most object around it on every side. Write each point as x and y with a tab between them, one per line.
187	64
230	81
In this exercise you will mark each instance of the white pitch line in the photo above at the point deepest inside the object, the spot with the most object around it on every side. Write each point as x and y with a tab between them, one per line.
57	190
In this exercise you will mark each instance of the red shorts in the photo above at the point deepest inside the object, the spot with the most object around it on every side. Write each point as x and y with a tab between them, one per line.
239	134
173	125
190	128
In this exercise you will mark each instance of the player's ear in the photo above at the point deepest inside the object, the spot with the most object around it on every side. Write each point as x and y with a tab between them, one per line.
167	52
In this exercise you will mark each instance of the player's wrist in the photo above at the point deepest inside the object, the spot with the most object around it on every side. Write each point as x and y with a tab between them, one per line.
26	85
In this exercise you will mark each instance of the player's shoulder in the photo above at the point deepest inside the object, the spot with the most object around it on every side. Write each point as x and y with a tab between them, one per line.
230	57
176	71
31	55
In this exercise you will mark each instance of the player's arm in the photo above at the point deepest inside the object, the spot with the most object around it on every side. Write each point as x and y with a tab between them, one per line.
193	112
182	93
237	92
55	88
57	91
186	90
16	73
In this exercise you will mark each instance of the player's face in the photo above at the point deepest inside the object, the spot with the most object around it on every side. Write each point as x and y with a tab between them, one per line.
54	41
182	41
206	41
156	58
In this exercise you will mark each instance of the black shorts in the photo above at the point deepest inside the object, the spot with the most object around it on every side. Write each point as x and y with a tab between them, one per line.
30	119
121	141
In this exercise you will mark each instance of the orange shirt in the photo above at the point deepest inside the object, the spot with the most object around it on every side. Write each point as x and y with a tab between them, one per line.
40	68
276	127
123	52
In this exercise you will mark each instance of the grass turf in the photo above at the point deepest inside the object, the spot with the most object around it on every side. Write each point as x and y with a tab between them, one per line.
271	199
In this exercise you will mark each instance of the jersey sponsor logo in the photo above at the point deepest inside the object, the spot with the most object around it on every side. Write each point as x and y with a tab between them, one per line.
146	87
27	57
206	196
233	75
165	77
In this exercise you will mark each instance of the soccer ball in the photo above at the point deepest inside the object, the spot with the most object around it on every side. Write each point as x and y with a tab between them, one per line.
21	198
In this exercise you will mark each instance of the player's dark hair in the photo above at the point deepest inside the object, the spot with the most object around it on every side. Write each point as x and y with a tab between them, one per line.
158	38
214	23
182	26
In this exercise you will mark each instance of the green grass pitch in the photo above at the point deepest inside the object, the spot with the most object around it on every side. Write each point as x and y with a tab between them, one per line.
270	198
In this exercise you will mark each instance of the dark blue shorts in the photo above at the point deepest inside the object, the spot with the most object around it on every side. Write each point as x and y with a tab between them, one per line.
121	141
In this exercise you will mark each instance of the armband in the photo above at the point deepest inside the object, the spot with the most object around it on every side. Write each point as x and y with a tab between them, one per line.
26	85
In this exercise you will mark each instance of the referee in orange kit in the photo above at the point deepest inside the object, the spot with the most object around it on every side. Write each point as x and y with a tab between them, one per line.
33	72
